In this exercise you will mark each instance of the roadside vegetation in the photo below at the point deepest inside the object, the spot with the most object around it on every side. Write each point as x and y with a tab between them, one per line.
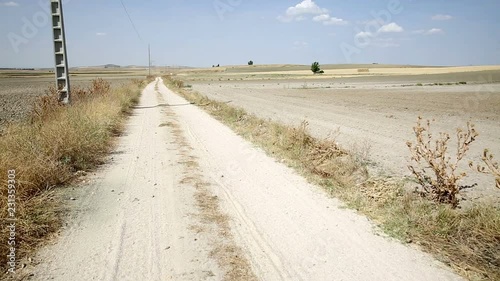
467	239
53	146
489	166
436	84
435	170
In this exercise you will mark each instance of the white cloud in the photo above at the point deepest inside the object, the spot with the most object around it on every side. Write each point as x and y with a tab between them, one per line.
391	27
305	7
434	31
300	18
9	4
376	38
299	11
322	17
326	19
431	31
441	17
100	34
364	34
335	21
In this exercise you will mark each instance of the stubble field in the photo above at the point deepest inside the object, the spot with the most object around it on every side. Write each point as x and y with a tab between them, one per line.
19	89
371	110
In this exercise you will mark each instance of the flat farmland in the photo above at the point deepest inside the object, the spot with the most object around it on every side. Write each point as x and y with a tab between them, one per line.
19	89
374	114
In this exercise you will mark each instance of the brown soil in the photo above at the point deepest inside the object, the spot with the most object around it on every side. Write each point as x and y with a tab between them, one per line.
378	112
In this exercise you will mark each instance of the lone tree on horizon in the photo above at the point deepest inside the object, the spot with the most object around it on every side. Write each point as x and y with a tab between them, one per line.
315	68
250	62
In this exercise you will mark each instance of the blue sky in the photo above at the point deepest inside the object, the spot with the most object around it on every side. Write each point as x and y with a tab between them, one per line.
206	32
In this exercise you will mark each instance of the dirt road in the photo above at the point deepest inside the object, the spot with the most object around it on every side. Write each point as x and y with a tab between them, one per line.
132	222
145	216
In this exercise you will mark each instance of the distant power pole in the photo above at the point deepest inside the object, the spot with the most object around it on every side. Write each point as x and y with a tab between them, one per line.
149	59
61	59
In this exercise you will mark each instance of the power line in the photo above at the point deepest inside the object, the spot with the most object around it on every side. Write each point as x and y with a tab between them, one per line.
138	34
131	21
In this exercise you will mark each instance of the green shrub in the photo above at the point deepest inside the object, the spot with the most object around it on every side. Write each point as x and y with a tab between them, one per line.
315	67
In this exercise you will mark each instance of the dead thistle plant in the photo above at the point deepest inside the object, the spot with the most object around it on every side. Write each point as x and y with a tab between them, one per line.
100	87
45	105
436	171
491	167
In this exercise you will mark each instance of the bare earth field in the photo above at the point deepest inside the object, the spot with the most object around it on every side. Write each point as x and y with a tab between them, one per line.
19	89
374	112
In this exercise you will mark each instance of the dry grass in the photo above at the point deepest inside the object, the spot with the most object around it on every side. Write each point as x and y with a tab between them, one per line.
48	149
466	239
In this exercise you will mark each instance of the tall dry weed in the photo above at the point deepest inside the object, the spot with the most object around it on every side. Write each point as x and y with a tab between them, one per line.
433	167
492	167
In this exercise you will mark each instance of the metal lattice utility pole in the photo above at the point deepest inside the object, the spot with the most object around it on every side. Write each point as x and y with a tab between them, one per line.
61	59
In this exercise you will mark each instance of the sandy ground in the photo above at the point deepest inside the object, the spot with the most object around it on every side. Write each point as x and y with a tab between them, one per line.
377	114
134	220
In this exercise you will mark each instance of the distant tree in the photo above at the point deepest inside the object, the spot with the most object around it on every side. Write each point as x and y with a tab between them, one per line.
250	62
315	67
218	65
